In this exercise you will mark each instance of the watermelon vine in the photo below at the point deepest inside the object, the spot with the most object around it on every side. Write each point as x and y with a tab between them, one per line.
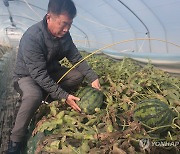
113	127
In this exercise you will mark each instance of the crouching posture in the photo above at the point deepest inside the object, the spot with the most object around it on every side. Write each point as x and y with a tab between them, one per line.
37	68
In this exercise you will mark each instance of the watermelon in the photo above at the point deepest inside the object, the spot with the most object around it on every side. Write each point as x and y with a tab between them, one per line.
90	99
154	113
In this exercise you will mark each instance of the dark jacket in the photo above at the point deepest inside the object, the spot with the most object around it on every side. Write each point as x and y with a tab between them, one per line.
39	54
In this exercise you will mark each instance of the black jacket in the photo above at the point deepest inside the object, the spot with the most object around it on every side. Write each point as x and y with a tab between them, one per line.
39	54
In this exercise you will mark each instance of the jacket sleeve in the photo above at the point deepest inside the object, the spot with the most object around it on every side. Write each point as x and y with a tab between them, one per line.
36	64
74	56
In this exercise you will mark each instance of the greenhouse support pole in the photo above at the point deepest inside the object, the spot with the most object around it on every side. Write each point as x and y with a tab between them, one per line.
164	29
147	33
6	3
125	20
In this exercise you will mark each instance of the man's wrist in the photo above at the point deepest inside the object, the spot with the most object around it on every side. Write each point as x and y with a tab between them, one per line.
64	96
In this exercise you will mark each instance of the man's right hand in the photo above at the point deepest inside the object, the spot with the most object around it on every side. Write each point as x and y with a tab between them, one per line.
71	102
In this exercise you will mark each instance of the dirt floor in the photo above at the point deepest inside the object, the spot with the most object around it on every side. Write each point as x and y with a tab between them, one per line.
7	117
8	107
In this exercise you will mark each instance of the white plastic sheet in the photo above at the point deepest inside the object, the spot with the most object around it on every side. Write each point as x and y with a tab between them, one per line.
102	22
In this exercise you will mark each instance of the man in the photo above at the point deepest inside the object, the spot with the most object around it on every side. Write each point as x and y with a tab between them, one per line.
37	68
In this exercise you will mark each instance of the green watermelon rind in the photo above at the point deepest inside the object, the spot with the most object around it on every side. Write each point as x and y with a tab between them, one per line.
162	115
90	98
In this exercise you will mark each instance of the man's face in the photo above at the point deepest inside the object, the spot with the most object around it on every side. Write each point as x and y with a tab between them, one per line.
58	25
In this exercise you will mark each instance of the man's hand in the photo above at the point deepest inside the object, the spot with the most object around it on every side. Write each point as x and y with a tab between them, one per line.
96	84
71	102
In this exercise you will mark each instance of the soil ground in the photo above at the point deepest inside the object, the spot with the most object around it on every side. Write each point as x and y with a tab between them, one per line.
8	108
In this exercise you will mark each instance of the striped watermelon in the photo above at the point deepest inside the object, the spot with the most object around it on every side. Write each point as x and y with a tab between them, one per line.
90	98
154	113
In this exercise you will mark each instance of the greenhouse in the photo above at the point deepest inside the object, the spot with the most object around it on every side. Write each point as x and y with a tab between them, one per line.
134	49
